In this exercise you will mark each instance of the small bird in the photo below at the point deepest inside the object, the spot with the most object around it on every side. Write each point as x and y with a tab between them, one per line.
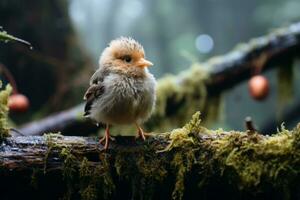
122	91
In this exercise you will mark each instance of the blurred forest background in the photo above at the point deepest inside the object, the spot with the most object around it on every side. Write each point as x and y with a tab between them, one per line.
69	35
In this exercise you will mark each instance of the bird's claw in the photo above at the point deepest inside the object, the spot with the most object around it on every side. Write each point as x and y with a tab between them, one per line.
105	139
142	134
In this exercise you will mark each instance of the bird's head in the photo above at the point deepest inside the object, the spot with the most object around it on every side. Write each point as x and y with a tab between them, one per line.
125	55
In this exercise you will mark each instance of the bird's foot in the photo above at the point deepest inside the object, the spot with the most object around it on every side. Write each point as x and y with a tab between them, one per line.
102	140
141	133
106	138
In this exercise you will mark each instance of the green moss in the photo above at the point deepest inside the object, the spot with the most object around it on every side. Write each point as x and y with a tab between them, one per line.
69	164
50	141
95	181
69	171
151	169
184	143
106	182
194	125
89	192
183	137
183	163
249	160
244	162
4	127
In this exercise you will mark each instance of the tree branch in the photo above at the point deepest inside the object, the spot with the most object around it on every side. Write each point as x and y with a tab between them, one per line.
187	163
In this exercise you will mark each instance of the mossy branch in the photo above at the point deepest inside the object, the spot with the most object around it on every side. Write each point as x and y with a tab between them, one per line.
186	163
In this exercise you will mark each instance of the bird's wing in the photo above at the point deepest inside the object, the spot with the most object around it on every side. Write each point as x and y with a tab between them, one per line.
92	93
95	90
99	76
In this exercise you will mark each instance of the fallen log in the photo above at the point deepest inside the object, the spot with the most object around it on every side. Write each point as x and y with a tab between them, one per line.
188	163
179	96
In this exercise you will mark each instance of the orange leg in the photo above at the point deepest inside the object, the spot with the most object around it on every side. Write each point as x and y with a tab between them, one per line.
141	132
105	138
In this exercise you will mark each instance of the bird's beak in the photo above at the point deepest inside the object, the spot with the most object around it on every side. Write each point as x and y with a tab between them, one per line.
144	63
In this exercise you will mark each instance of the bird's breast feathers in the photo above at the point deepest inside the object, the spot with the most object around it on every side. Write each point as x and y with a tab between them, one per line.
125	99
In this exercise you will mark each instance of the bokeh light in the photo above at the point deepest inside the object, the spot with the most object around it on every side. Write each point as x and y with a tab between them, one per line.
204	43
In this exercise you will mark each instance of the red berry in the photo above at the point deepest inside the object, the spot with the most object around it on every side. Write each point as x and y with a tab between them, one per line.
18	103
258	87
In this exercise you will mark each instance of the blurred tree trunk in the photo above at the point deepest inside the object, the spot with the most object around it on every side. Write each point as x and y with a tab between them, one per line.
57	68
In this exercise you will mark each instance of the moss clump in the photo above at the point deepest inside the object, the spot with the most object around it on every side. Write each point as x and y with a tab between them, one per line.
179	138
69	164
251	160
50	141
4	127
183	163
194	125
184	143
245	161
87	191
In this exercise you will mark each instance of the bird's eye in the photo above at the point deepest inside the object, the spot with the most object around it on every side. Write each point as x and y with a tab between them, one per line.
127	59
